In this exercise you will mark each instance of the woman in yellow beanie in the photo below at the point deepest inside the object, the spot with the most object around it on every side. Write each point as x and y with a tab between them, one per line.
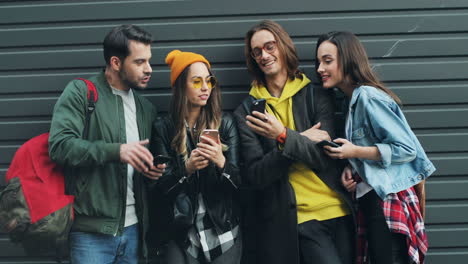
202	176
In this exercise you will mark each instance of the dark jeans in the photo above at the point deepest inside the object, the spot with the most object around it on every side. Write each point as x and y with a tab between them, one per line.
385	247
327	242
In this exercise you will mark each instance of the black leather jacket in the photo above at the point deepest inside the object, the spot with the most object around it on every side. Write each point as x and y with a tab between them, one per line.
217	186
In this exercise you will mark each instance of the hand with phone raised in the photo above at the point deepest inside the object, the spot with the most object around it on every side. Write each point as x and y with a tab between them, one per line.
258	105
262	122
210	147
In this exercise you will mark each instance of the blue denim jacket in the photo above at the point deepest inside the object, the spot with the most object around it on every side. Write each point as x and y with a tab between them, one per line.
375	119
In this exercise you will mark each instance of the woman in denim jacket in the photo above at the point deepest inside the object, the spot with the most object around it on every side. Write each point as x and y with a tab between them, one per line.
385	158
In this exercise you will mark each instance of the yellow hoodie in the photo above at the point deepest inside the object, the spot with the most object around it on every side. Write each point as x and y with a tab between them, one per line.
314	199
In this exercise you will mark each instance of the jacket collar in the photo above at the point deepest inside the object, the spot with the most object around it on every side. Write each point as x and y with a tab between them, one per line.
357	91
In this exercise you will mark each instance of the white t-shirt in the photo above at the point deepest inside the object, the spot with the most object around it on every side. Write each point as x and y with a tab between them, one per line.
131	129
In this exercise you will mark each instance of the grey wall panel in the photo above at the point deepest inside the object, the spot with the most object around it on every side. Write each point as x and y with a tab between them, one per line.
454	164
437	188
220	28
419	48
443	236
75	11
92	57
432	93
447	256
444	142
437	213
22	130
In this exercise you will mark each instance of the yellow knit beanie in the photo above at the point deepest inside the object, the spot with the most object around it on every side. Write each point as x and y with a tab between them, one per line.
179	60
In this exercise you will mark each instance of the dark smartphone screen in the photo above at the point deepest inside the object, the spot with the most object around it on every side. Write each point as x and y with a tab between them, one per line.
161	159
328	143
258	105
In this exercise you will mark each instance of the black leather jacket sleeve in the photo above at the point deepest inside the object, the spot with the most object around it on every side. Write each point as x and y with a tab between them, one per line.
230	137
161	145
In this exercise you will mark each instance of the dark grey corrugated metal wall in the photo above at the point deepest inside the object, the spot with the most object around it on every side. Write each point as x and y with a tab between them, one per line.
420	49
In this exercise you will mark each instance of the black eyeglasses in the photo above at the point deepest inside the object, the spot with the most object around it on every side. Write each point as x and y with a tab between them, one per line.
269	47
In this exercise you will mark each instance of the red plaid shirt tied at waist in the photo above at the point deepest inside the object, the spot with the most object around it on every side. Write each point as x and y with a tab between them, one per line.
403	216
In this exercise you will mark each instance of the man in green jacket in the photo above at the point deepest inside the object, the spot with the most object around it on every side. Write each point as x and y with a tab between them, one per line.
105	169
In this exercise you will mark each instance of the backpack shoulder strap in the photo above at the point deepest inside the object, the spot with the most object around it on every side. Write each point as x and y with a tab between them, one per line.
92	97
92	94
310	103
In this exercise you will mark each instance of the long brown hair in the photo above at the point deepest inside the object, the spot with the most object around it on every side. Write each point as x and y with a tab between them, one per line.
353	61
285	46
210	115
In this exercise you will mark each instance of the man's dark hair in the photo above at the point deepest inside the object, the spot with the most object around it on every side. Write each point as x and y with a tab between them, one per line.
117	41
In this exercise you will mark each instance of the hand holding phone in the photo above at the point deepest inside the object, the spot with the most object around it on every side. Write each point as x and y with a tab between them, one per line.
211	133
161	159
328	143
258	105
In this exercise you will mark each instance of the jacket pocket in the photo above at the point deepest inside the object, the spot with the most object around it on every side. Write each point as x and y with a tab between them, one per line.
359	133
76	182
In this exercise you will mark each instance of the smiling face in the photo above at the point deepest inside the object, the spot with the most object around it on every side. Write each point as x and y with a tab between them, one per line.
198	72
135	71
329	68
271	64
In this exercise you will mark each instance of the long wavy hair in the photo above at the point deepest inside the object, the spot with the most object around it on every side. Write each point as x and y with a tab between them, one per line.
285	46
353	61
210	115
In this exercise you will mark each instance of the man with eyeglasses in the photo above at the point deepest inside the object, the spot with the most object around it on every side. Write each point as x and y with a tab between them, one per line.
298	212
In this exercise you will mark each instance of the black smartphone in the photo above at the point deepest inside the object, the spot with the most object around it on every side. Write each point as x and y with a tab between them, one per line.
161	159
328	143
258	105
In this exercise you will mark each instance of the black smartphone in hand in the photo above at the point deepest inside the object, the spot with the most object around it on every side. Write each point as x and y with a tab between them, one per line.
328	143
161	159
258	105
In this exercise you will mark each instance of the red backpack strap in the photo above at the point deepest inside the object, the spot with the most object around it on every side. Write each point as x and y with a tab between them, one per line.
92	92
92	97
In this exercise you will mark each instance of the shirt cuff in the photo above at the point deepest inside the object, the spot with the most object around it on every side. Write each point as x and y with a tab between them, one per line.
385	154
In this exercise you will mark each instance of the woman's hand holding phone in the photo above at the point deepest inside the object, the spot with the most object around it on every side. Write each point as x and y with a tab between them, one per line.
345	151
195	162
212	150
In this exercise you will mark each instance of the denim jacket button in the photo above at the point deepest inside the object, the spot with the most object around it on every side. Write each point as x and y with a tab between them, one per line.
420	177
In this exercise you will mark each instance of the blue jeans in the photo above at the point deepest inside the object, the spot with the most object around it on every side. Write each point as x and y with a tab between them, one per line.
93	248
